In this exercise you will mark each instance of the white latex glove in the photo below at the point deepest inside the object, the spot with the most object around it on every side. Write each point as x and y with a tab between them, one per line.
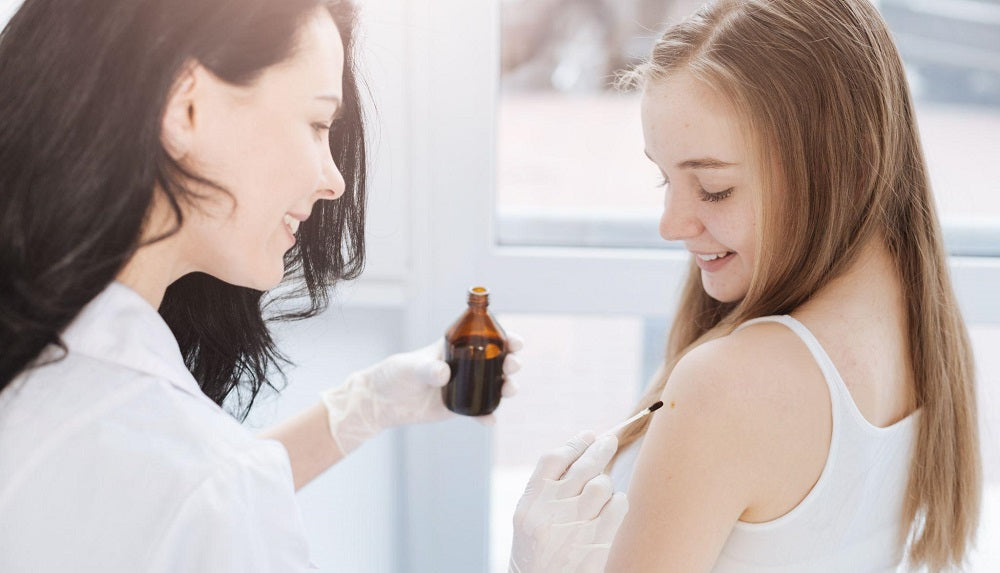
402	389
569	514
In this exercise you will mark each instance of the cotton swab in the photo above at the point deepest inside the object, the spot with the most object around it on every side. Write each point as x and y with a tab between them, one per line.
649	410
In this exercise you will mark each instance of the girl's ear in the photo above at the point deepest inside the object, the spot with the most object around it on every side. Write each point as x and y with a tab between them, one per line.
179	115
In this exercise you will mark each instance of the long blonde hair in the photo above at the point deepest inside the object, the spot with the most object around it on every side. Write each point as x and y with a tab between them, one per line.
820	86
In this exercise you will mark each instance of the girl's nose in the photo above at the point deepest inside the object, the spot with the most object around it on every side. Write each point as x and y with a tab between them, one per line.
679	220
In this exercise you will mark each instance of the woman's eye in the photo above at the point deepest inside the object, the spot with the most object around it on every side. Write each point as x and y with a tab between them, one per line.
715	197
321	127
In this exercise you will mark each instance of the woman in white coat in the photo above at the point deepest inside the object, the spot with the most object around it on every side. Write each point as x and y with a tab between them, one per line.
163	164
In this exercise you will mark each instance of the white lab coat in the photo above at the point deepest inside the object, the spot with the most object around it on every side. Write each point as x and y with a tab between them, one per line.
113	460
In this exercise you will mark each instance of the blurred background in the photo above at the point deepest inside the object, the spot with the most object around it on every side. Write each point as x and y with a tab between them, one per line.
503	156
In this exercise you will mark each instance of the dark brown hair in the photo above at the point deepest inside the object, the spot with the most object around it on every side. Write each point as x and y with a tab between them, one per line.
83	86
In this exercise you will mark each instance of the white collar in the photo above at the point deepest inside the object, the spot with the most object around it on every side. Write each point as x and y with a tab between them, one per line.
121	327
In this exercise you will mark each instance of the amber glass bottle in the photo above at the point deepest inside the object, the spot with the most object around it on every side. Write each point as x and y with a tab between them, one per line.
475	348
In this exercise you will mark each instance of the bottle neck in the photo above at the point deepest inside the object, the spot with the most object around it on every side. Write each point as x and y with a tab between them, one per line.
479	298
479	301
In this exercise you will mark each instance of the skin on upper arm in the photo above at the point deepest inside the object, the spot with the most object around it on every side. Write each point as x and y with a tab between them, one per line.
311	448
705	459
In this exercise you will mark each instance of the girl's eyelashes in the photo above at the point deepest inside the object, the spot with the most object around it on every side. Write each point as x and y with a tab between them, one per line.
715	197
705	195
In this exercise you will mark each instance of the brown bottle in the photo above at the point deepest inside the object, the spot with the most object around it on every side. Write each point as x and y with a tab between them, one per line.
475	349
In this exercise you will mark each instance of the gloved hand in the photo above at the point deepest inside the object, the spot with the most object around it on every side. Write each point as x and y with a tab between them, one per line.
402	389
567	517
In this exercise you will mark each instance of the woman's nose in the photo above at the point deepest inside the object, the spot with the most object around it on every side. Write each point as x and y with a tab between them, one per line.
679	220
332	185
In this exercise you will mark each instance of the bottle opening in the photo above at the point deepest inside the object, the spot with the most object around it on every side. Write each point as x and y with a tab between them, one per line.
479	296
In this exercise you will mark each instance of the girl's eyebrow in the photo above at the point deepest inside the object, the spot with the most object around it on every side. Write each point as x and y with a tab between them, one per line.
700	163
705	163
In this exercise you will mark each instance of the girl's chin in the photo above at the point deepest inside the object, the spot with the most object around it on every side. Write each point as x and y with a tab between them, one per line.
723	293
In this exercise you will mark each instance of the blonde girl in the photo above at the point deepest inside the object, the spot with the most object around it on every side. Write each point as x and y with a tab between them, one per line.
819	398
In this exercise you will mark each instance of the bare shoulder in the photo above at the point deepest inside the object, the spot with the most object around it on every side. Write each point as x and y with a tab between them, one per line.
740	437
757	404
760	370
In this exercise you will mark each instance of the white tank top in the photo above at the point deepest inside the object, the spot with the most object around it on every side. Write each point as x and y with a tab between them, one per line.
851	520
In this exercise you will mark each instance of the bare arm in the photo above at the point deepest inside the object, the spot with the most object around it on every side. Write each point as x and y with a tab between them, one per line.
402	389
697	471
311	447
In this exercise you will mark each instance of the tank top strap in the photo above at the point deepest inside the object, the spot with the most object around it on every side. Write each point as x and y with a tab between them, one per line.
834	382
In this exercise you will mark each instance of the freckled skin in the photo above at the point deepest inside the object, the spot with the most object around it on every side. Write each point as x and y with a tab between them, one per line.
683	119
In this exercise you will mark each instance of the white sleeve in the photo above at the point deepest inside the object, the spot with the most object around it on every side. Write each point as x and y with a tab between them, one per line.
241	519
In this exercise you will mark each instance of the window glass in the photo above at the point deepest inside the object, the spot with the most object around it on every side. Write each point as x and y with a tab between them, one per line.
571	145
